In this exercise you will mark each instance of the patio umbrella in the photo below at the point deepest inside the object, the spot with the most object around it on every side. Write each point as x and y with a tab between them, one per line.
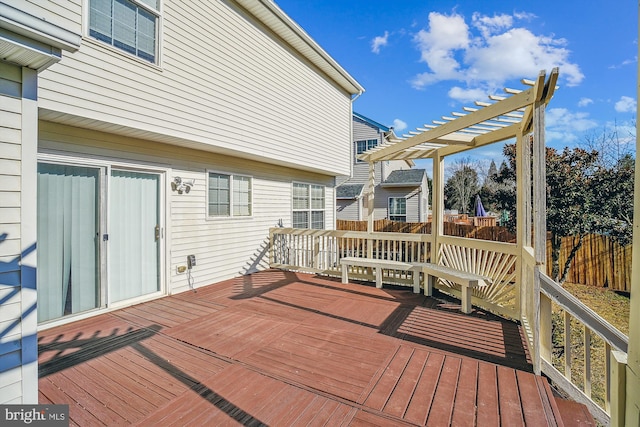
479	209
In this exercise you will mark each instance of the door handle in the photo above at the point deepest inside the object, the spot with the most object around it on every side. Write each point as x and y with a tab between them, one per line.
157	233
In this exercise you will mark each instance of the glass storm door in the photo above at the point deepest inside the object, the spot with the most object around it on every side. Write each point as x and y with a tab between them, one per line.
68	240
134	234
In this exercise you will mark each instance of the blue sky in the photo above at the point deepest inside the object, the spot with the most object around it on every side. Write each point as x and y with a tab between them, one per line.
420	60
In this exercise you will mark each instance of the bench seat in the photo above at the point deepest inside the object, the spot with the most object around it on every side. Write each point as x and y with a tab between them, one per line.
378	264
466	280
430	271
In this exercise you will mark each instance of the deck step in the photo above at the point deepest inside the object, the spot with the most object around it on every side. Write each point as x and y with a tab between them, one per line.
574	413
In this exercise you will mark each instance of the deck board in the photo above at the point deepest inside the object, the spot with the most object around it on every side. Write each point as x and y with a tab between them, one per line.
284	348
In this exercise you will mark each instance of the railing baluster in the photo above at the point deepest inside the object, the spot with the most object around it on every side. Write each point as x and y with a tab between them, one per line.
607	373
567	345
587	361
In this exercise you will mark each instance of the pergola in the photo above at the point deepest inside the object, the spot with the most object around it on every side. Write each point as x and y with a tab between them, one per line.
519	115
515	115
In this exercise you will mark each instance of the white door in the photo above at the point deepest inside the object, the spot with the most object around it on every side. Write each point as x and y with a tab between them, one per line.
134	234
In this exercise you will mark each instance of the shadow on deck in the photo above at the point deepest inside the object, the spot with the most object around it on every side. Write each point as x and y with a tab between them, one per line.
284	348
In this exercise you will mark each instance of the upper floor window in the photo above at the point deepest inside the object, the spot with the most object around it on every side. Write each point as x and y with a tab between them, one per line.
308	206
398	209
130	25
229	195
364	145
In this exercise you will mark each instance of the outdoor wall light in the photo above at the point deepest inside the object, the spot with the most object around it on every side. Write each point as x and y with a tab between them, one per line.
182	185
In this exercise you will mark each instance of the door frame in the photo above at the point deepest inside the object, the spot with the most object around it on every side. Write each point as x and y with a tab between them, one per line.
106	164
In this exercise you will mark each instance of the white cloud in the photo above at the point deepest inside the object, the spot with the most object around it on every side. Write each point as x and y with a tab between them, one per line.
438	46
584	102
491	52
491	25
626	104
467	95
379	41
565	126
399	125
624	63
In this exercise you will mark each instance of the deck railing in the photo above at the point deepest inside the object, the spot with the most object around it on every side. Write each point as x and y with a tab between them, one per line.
319	251
593	338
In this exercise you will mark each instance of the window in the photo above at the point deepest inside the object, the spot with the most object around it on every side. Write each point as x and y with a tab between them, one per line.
364	145
398	209
229	195
129	25
308	206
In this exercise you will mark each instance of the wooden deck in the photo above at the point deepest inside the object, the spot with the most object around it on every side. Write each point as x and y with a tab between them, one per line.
281	348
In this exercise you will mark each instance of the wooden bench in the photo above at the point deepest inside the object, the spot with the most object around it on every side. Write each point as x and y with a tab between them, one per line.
466	280
378	265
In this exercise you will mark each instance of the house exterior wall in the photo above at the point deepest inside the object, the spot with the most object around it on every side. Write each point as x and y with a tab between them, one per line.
224	247
414	200
217	99
18	325
209	91
363	130
349	210
61	13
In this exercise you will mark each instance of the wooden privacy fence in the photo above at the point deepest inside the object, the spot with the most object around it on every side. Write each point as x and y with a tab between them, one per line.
599	262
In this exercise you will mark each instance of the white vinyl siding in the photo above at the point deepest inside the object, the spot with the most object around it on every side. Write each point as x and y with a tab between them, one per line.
221	73
62	13
10	195
229	195
225	247
18	141
349	210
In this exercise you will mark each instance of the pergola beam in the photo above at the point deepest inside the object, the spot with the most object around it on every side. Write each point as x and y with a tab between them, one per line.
487	113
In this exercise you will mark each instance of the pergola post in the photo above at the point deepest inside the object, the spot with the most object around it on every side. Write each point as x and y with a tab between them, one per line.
524	241
370	206
370	195
632	410
437	205
542	321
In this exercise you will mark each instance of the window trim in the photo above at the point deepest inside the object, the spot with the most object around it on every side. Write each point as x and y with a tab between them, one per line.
389	214
310	210
158	13
232	177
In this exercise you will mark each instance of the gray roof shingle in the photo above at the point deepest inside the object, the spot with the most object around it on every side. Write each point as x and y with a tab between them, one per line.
349	191
408	177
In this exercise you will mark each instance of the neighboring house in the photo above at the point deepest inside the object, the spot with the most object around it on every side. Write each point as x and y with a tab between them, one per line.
146	148
401	191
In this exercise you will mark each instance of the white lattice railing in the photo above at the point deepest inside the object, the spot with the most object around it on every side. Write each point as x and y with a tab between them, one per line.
587	341
496	260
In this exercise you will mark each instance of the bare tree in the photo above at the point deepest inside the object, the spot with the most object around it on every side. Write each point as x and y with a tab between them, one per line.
612	145
462	185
